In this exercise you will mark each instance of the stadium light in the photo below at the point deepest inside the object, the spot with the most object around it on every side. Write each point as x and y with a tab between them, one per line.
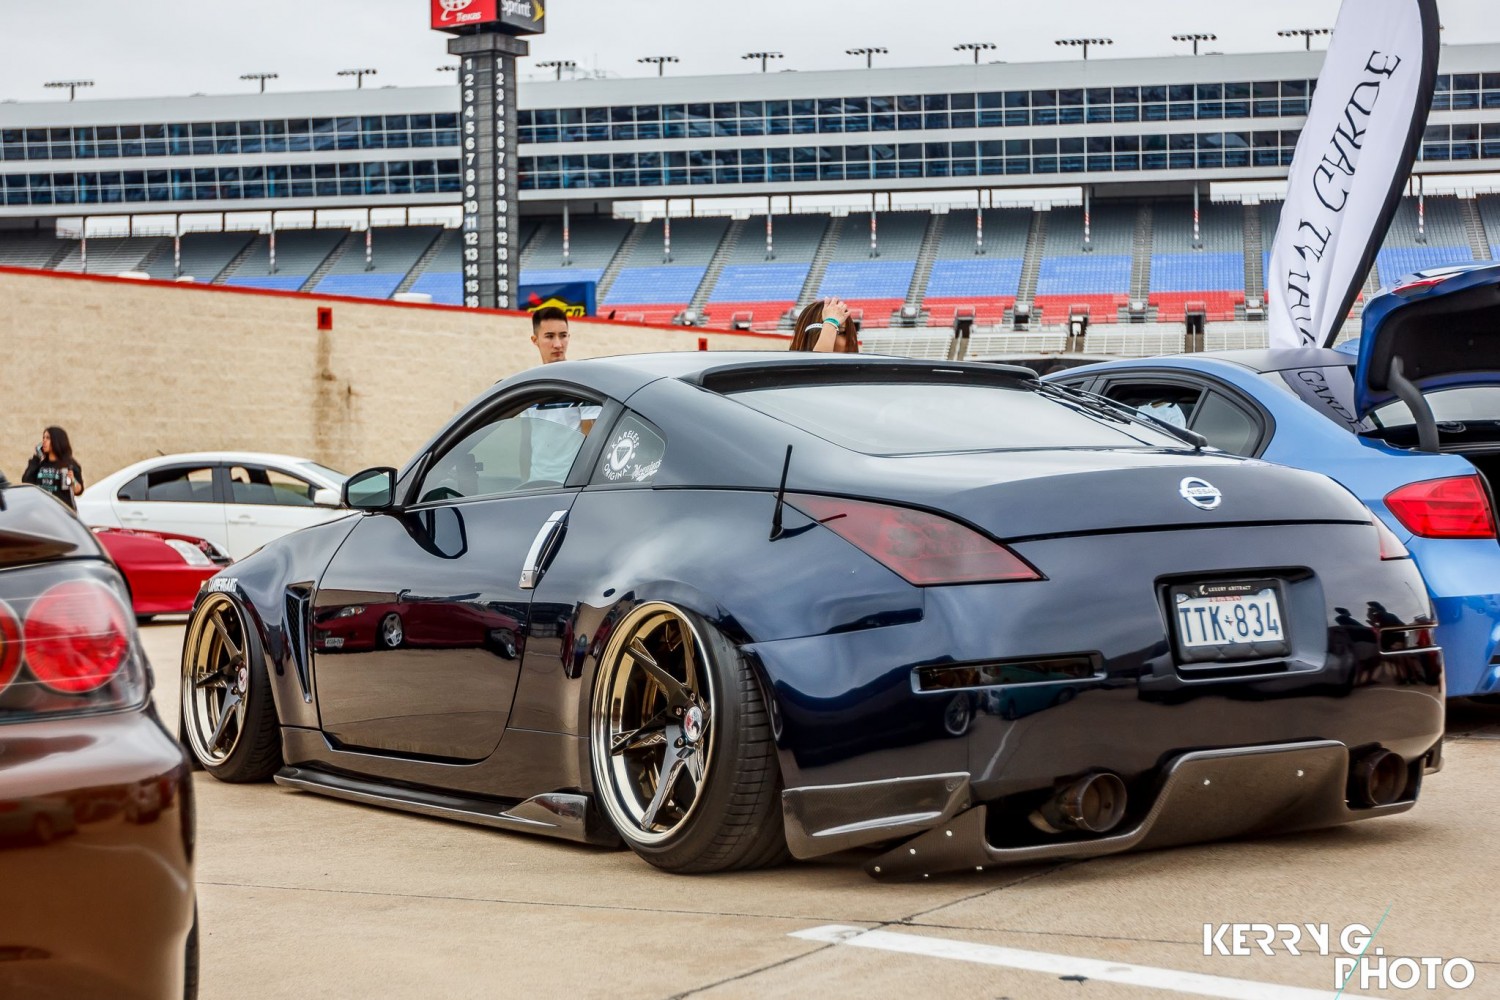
763	57
262	77
1195	38
1306	34
72	85
559	65
869	52
659	61
359	76
1084	42
446	69
974	47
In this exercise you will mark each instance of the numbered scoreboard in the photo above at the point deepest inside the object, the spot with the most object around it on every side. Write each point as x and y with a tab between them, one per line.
488	49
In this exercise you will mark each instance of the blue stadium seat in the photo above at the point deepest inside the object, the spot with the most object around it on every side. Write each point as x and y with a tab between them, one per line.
278	282
547	276
868	279
1197	272
371	285
445	287
1397	262
663	285
759	282
1083	274
986	276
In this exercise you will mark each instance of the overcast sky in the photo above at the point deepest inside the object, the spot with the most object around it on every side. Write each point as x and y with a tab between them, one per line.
135	48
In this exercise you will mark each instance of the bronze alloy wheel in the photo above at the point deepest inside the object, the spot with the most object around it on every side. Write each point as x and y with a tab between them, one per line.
215	680
228	713
654	728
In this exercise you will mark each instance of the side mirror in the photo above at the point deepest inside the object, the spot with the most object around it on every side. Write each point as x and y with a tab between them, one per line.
372	489
325	497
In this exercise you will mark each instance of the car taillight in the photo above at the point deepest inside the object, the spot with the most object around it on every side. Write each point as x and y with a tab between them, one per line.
1444	508
68	644
923	549
10	645
76	636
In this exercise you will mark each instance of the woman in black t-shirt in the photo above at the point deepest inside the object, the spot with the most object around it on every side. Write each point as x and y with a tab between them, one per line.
53	467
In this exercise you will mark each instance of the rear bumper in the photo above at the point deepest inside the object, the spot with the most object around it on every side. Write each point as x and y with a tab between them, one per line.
99	880
1462	575
868	755
1204	795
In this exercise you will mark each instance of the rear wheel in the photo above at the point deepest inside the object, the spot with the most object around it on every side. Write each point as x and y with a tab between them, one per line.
228	718
683	757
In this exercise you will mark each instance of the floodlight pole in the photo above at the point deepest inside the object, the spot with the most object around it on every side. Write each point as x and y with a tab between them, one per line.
1195	38
869	52
359	76
261	77
72	86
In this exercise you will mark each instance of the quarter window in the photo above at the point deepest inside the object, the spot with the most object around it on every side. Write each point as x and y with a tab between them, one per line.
176	485
530	449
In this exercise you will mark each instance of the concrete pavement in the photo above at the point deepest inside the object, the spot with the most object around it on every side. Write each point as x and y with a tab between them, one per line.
303	896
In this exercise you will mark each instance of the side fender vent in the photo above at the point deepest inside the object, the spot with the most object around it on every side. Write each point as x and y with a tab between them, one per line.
297	601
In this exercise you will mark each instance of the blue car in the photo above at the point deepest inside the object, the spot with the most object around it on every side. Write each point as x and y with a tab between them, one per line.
1407	417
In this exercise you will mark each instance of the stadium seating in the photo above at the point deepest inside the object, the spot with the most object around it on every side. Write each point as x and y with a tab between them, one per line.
1489	212
299	252
393	253
756	291
1211	276
964	279
28	249
1071	278
650	284
204	255
593	241
109	255
875	286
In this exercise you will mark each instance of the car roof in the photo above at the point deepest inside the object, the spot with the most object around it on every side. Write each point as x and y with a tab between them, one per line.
216	457
1271	359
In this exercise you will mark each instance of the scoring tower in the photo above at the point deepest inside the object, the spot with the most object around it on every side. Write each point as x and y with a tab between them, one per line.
486	40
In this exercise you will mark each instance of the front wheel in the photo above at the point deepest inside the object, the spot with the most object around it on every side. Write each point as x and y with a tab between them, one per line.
683	758
228	718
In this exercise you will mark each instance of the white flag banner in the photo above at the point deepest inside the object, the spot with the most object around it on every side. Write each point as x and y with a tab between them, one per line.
1351	164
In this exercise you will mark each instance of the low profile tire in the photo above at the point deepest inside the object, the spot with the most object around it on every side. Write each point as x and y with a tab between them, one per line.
683	757
228	716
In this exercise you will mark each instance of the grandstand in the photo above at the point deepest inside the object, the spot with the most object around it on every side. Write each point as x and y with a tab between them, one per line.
926	147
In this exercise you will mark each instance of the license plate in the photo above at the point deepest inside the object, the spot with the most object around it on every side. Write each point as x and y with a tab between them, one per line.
1239	620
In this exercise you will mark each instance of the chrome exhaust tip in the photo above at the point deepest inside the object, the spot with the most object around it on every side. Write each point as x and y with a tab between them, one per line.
1377	778
1093	804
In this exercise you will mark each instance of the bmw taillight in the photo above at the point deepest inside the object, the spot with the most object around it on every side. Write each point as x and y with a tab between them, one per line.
1444	508
922	548
68	643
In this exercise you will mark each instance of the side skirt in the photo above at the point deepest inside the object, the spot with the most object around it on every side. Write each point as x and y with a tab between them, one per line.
565	815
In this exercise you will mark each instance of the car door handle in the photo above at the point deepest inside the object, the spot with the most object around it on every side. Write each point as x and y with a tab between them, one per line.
244	518
134	515
543	547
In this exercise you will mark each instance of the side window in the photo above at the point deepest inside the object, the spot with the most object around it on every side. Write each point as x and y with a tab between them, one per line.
632	454
532	449
256	484
178	485
1226	426
1171	402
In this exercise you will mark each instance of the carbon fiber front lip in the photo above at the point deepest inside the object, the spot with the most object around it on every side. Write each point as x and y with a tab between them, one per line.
1207	795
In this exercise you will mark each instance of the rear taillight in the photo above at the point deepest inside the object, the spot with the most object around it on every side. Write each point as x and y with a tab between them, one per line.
923	549
1444	508
76	637
68	644
10	646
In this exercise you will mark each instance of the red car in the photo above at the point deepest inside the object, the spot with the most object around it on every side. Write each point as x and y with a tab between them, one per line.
163	570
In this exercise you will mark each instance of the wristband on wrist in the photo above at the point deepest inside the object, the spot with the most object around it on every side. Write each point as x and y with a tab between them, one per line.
830	319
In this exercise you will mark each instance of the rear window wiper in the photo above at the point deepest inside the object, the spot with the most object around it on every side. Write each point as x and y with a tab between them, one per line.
1096	401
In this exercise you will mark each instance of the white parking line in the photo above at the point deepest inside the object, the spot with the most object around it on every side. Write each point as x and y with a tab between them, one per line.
1143	976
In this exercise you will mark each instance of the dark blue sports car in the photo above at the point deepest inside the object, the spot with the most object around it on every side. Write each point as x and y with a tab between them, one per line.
719	607
1408	418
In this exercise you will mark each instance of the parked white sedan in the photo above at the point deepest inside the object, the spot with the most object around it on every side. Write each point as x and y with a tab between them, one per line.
239	501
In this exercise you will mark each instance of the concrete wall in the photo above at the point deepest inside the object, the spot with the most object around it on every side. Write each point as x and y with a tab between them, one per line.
131	369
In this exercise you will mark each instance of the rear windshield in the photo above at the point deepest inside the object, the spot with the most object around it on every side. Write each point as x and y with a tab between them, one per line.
1473	404
887	418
